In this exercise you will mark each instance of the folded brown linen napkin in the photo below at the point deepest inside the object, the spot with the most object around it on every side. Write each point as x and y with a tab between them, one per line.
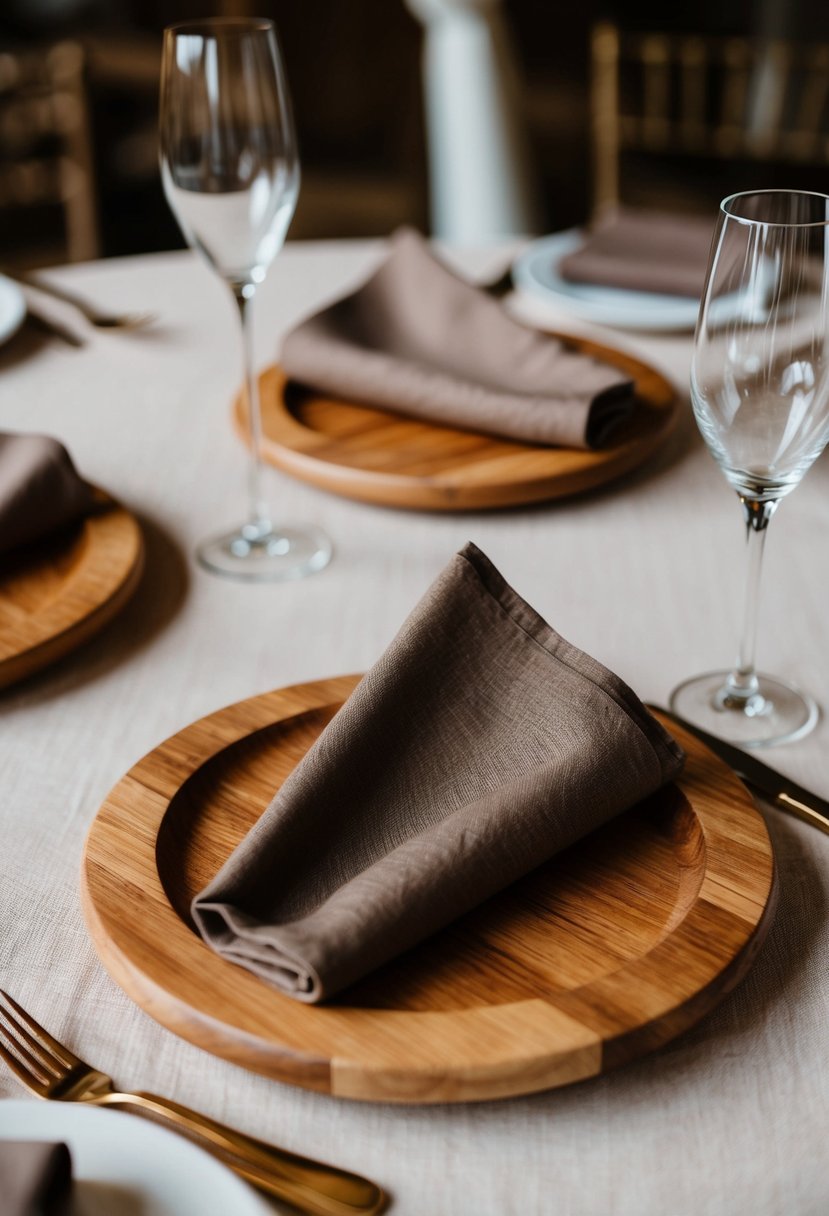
35	1179
418	340
40	489
480	744
644	251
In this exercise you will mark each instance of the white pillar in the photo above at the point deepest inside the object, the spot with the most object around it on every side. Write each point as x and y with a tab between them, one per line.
480	177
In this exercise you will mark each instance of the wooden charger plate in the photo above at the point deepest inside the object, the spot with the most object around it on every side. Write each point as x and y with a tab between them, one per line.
375	456
59	592
596	957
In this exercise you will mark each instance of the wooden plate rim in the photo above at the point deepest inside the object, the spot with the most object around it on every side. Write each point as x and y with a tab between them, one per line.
95	591
525	473
134	811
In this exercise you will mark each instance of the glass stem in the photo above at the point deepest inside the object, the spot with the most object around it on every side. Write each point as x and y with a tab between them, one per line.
259	516
742	690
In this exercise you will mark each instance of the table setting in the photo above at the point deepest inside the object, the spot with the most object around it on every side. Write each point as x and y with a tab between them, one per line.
382	852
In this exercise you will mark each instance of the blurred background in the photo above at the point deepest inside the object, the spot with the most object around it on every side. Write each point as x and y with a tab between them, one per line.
467	118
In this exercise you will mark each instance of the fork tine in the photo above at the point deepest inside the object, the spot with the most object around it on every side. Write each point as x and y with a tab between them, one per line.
38	1055
30	1069
64	1056
23	1075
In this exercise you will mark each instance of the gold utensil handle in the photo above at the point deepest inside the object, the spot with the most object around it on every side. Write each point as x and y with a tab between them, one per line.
311	1186
58	293
808	814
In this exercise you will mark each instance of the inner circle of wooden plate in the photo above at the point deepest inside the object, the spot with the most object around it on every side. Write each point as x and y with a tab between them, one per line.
390	460
59	592
596	957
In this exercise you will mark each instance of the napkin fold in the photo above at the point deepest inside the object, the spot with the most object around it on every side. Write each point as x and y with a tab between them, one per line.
644	251
419	340
35	1179
40	490
480	744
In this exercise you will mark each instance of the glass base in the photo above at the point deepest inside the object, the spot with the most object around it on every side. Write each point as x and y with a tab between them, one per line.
775	713
281	555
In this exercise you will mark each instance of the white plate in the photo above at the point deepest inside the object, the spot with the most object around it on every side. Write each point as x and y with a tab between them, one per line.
124	1164
12	308
536	272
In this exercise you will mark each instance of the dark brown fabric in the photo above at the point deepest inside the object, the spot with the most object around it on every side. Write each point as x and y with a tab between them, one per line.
35	1179
644	251
421	341
40	489
479	744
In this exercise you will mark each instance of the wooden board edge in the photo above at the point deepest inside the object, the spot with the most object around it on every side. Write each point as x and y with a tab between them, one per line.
623	1049
428	1084
411	492
422	494
195	1027
43	654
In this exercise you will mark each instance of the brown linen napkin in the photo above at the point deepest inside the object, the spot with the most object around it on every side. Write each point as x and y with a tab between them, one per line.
35	1179
418	340
40	490
644	251
480	744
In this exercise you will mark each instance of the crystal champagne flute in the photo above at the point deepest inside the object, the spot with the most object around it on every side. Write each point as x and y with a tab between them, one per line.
231	176
760	393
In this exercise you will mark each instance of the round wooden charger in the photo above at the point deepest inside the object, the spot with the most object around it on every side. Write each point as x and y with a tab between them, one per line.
58	593
596	957
379	457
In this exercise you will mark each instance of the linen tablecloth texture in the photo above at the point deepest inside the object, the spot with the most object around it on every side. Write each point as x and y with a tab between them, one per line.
644	251
480	744
35	1179
40	490
419	340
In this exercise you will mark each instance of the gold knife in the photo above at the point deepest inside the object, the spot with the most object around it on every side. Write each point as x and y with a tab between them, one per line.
787	794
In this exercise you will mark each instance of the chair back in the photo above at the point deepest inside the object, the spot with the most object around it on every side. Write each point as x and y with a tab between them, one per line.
723	98
46	159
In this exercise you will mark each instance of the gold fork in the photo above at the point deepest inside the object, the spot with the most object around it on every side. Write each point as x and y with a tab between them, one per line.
95	316
50	1070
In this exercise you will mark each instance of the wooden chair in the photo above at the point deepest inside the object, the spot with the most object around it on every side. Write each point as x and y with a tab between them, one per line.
725	99
46	163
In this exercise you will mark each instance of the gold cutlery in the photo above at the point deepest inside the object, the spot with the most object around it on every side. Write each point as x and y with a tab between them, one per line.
786	794
49	1070
95	316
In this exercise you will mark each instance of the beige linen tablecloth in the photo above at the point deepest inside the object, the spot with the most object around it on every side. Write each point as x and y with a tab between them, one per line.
731	1119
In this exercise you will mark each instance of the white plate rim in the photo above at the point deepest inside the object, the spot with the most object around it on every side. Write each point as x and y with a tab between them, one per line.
107	1145
534	271
12	307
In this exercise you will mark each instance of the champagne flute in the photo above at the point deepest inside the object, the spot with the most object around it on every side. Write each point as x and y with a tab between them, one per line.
760	393
231	176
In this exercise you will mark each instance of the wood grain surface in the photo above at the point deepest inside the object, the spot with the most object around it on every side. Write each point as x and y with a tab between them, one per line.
58	593
383	458
598	956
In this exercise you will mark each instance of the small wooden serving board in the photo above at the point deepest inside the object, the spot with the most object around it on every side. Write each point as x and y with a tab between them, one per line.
384	458
59	592
598	956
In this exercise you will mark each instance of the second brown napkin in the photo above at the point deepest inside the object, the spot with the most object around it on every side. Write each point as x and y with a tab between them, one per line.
40	490
479	745
421	341
644	251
